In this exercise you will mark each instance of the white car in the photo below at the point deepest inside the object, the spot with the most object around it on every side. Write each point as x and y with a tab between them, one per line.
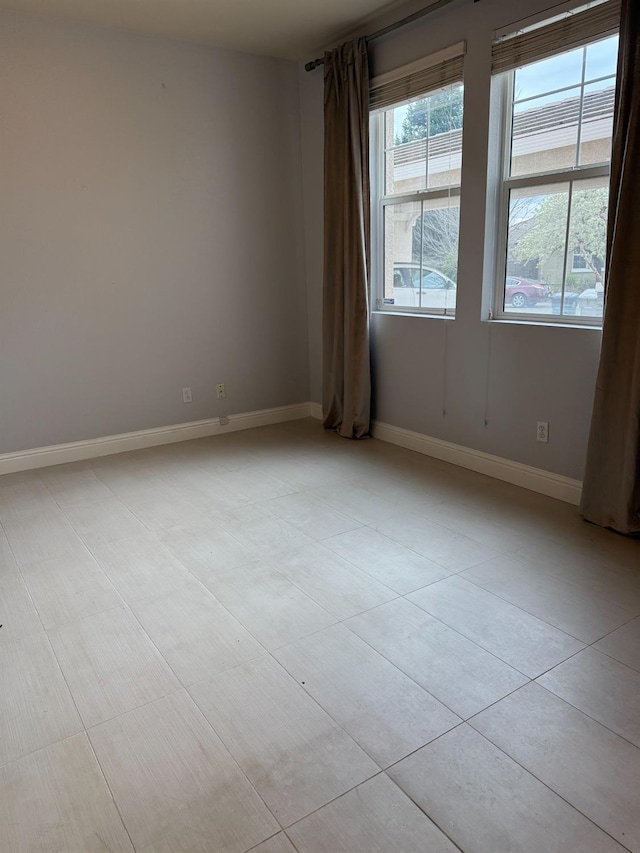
427	287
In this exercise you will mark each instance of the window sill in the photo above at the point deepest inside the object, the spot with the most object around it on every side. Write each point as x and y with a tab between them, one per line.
421	314
507	321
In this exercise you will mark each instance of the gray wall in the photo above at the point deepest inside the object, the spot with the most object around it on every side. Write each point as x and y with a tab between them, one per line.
150	232
509	375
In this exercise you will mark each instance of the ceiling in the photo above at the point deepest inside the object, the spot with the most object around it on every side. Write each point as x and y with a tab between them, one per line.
285	28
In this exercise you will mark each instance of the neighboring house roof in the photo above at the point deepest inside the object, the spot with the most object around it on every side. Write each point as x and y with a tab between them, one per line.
597	105
557	122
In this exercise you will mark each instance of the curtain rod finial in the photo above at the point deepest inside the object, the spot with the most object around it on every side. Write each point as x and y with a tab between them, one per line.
310	66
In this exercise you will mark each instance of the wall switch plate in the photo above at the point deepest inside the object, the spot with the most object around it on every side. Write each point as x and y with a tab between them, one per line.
220	393
542	433
186	395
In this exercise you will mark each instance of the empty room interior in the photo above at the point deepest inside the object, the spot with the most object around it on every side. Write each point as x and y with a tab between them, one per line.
319	426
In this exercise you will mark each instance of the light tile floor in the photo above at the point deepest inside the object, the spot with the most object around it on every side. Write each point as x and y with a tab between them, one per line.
279	641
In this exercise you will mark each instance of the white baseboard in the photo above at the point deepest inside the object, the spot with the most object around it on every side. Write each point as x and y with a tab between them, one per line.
43	457
534	479
315	411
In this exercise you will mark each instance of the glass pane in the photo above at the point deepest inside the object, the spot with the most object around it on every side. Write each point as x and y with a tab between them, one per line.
445	137
548	124
602	58
587	246
400	287
421	254
423	142
435	251
557	72
406	148
545	133
597	122
536	246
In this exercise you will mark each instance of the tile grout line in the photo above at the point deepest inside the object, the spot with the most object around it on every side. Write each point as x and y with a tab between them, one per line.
633	619
256	557
182	689
364	782
126	605
522	767
40	749
88	739
394	597
476	643
325	711
235	761
87	548
610	656
379	772
20	572
410	677
542	782
529	613
393	542
432	559
589	716
106	782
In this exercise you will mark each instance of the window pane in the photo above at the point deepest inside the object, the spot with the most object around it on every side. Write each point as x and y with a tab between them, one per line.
557	72
545	133
421	254
435	243
445	137
545	273
536	249
400	270
548	128
597	122
405	149
423	142
588	245
602	58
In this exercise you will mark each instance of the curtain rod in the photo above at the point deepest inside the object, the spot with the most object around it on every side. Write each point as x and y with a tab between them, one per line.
432	7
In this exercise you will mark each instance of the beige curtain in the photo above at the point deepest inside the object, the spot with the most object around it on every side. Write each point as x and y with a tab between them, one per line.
345	322
611	493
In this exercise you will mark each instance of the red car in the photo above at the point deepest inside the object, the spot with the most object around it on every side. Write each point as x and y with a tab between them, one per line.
523	293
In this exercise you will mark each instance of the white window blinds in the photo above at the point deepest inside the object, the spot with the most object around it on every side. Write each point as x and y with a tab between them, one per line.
572	30
435	71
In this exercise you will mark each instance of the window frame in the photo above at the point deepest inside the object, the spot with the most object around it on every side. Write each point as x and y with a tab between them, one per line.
578	269
379	201
571	175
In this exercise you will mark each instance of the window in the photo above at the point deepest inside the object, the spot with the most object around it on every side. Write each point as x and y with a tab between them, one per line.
416	146
555	187
579	262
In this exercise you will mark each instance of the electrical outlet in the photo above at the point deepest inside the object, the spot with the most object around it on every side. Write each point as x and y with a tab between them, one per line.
542	433
220	392
186	395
